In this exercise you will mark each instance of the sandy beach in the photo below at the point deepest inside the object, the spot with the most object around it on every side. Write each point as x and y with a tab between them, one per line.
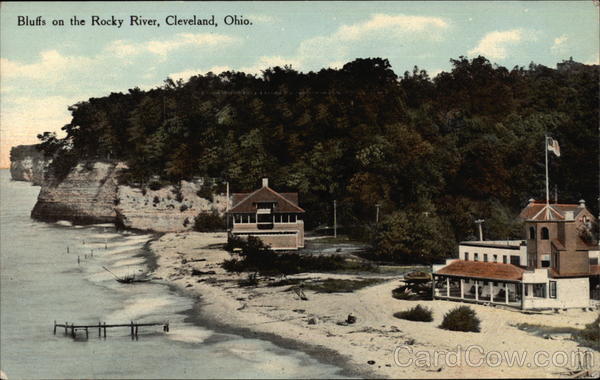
378	344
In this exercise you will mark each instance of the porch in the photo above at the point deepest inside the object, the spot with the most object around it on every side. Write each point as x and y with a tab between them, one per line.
468	289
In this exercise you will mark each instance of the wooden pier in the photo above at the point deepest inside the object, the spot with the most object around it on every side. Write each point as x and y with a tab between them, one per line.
72	328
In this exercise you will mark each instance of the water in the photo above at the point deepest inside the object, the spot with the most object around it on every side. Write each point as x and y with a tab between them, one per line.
40	282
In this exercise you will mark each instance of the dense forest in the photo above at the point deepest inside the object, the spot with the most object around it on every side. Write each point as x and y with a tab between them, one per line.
434	153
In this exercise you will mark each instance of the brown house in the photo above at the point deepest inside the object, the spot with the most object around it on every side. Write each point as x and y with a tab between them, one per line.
273	217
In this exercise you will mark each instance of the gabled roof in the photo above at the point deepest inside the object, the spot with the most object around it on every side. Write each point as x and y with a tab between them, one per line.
540	211
483	270
284	202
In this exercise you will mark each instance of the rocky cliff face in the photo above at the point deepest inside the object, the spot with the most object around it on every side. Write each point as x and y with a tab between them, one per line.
91	194
28	164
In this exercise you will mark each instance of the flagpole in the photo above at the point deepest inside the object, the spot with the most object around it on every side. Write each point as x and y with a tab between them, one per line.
547	182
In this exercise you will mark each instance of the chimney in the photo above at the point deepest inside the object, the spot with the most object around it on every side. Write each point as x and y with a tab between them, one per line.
582	203
265	182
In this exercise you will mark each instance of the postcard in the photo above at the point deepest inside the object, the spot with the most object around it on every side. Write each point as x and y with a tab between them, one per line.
299	189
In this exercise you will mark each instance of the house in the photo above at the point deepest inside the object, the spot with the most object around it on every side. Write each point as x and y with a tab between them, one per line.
273	217
556	266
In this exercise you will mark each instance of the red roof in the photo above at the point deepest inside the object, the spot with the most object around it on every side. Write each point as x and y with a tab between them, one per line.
483	270
541	211
284	202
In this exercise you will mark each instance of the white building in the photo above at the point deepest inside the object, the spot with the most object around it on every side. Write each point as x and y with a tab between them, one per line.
555	267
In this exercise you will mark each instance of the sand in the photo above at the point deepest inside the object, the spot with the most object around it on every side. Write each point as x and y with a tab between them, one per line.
378	344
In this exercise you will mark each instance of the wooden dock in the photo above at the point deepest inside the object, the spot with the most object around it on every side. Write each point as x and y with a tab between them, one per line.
72	328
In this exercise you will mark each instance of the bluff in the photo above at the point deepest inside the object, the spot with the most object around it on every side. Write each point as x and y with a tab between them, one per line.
91	193
28	164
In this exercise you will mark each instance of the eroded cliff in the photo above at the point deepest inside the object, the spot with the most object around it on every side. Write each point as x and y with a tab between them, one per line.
90	193
28	164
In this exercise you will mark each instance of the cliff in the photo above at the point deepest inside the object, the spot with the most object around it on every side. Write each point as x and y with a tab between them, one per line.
28	164
90	193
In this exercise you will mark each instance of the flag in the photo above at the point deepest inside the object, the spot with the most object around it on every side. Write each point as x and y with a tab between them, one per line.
553	146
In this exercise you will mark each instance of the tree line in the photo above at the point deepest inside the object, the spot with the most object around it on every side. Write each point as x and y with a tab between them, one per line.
434	153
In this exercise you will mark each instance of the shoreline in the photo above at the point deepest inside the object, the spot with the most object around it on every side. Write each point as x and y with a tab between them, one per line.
199	316
364	349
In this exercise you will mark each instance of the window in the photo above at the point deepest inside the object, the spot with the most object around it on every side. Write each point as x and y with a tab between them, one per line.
485	283
504	259
593	261
539	290
545	263
252	218
515	260
485	257
293	218
545	234
531	233
467	281
237	218
552	289
467	256
495	258
476	256
495	283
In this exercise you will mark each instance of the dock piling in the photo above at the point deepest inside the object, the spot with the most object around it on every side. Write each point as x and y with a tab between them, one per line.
54	327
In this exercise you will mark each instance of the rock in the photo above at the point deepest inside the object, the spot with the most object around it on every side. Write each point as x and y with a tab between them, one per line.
28	164
351	319
410	342
371	362
312	321
196	272
188	285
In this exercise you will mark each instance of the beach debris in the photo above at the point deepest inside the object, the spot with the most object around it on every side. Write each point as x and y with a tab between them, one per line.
188	285
351	319
313	321
410	342
300	293
371	362
185	261
196	272
245	305
299	311
435	370
127	279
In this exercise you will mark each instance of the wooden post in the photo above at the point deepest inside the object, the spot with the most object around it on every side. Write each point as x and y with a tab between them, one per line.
104	330
99	330
132	330
462	288
65	328
476	290
448	287
491	291
73	330
54	327
86	333
136	332
506	292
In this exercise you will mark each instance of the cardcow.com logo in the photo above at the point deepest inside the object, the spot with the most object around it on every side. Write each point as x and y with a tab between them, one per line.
476	356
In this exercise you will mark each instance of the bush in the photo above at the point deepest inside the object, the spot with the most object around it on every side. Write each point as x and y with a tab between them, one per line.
461	318
208	222
206	192
183	207
417	313
154	185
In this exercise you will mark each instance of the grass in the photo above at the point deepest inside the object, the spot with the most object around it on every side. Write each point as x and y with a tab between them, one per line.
340	286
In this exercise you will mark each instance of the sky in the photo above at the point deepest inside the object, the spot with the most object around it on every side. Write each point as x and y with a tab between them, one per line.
46	68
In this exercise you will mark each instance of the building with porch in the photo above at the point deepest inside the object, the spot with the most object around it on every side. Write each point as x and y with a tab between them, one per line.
555	267
273	217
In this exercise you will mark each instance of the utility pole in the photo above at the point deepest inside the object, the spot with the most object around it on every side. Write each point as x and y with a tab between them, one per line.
479	222
377	214
227	208
334	218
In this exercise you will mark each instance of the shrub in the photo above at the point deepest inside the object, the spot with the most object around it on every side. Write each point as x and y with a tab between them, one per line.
154	185
461	318
417	313
208	222
206	192
183	207
251	280
155	200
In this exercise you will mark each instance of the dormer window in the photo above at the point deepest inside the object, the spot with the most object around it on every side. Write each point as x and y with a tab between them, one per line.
545	234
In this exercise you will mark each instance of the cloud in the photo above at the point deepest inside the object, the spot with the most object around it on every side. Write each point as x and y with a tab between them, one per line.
559	46
51	66
494	44
333	49
122	48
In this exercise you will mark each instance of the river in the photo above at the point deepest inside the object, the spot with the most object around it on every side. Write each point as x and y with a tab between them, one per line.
41	282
